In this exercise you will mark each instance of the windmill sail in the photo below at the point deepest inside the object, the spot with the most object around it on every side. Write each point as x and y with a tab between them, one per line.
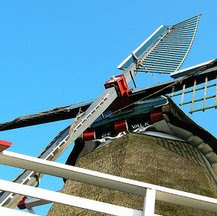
166	49
56	114
202	89
207	69
187	82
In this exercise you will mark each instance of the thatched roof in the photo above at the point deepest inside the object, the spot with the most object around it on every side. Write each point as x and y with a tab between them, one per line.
142	158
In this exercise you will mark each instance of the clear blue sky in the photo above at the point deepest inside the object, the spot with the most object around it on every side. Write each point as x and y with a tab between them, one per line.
54	53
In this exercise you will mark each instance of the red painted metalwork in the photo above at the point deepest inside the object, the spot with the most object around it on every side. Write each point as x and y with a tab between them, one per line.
121	126
4	145
121	84
89	135
21	204
156	116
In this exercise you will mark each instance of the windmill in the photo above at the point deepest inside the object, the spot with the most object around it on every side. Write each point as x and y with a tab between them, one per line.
121	109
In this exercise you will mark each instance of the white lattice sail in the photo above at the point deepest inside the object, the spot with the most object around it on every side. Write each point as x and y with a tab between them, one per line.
166	49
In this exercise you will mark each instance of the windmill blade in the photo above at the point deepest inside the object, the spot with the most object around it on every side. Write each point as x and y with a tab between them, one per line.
185	79
59	113
203	94
166	49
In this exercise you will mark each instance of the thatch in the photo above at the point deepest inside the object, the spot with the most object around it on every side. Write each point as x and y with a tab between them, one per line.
140	157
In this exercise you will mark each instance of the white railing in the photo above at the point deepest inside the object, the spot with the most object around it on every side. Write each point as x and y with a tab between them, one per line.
150	192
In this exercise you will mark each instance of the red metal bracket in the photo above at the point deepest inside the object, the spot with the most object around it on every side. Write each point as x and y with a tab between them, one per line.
4	145
121	84
89	135
21	204
121	126
156	116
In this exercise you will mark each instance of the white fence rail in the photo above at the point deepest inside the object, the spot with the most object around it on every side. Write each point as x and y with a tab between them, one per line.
150	192
12	212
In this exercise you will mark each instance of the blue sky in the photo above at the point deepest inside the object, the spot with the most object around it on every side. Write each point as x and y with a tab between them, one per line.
55	53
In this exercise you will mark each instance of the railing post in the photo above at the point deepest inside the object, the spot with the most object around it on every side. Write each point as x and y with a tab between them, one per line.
149	202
